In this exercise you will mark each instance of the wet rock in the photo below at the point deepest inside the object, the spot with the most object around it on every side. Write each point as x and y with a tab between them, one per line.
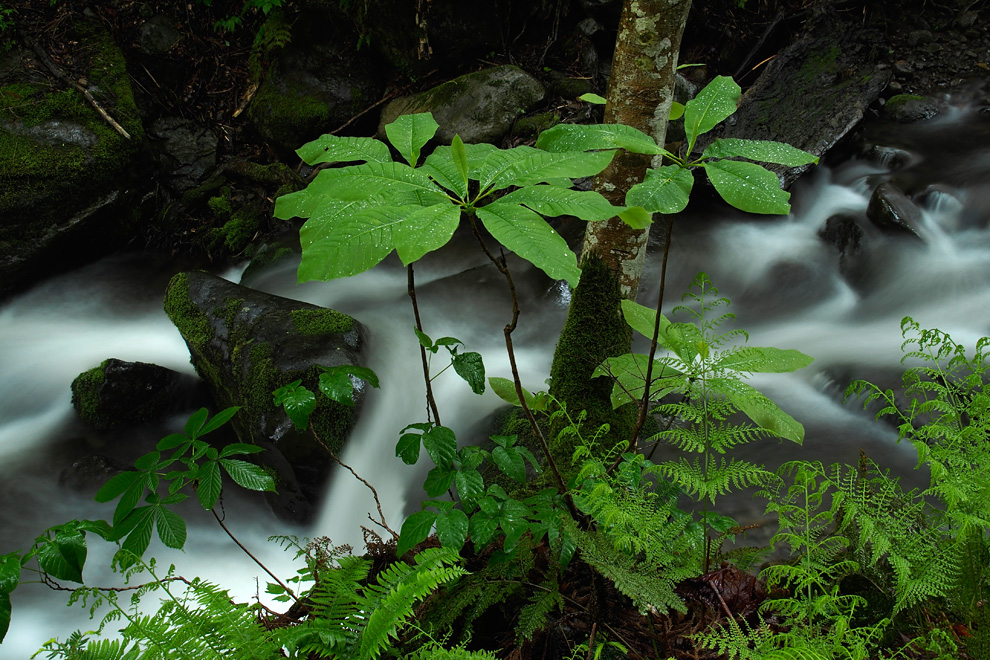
843	233
246	344
480	107
158	36
70	184
812	93
186	151
89	473
909	108
892	212
892	158
119	393
319	81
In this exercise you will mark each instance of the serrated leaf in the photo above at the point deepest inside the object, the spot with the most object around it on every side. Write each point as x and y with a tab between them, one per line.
247	475
128	500
553	201
582	137
438	481
713	104
408	448
209	485
148	462
748	187
530	237
766	151
236	448
219	420
195	422
337	386
117	485
763	360
425	230
298	402
414	531
137	528
171	528
511	463
666	189
452	529
171	441
409	133
482	528
471	368
335	149
441	444
469	483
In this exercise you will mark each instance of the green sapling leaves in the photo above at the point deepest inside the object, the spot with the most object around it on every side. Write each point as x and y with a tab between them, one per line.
665	189
333	149
410	133
298	401
582	137
713	104
748	186
529	236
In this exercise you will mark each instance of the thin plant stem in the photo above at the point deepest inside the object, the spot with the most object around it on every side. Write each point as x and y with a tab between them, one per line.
431	401
253	558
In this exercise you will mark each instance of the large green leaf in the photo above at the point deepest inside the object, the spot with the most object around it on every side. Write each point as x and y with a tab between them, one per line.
482	527
553	201
334	149
299	403
766	151
407	448
63	556
441	168
425	230
469	483
346	238
663	190
510	461
391	181
506	168
441	444
506	390
629	373
414	530
117	485
748	186
712	105
248	475
408	134
171	528
471	368
209	484
529	236
137	528
582	137
452	529
641	318
764	412
10	572
764	360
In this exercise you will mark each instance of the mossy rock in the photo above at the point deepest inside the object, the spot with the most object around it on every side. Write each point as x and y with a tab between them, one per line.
69	183
910	108
119	393
480	106
246	344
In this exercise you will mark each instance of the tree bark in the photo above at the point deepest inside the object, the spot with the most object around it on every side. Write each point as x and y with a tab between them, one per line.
640	93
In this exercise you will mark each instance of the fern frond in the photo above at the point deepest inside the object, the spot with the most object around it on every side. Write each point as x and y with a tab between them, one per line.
533	616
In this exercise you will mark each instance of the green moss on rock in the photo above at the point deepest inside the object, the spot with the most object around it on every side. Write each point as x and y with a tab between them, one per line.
86	396
185	315
321	321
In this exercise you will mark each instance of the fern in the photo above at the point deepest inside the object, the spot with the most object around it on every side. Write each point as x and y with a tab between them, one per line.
533	616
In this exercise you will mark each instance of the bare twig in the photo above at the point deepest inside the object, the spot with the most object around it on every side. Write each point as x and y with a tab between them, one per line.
432	402
78	85
55	586
253	558
381	523
389	96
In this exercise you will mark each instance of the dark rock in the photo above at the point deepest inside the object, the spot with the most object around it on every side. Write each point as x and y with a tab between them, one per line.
187	151
843	233
812	93
70	185
89	473
480	107
892	158
119	393
569	88
246	344
909	108
892	212
319	81
158	36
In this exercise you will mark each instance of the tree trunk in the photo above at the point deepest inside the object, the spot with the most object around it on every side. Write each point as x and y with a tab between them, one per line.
640	91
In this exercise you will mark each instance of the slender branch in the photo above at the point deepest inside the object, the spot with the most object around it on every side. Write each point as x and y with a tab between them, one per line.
431	401
253	558
57	71
507	331
381	523
55	586
644	405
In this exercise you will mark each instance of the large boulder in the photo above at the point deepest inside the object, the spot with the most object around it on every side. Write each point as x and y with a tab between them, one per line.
246	344
69	182
812	93
480	106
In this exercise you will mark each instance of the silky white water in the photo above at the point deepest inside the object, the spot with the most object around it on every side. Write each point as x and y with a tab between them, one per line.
785	283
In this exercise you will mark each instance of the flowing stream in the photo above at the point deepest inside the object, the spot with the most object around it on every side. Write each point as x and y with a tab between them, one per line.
786	285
